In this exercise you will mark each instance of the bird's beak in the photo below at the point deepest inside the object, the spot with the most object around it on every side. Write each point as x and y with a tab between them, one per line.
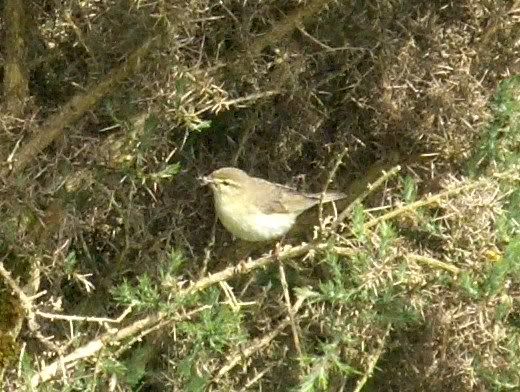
205	180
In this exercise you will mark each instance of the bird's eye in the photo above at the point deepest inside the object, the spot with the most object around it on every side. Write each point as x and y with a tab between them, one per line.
226	183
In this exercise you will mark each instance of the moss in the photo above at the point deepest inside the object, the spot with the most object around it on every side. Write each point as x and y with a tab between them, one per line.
9	350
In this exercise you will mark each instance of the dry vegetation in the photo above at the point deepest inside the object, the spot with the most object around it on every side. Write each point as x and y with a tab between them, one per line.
113	276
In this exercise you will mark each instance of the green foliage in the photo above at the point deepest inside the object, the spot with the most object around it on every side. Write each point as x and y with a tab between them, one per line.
186	370
70	263
469	285
500	145
497	277
341	288
214	330
387	237
508	378
217	329
111	366
321	367
409	189
154	293
136	366
200	126
505	269
144	296
218	326
500	149
172	268
167	172
358	222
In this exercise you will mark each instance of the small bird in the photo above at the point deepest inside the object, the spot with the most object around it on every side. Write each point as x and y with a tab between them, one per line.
254	209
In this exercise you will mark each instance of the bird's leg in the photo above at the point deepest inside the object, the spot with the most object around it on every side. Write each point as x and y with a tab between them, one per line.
241	266
277	251
243	254
278	248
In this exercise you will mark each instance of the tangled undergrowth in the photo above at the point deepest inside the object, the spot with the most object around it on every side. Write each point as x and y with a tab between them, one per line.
113	273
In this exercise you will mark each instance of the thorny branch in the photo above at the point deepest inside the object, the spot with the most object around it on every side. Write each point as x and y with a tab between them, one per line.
149	322
27	305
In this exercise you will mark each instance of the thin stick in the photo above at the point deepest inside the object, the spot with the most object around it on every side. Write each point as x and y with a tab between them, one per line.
256	378
331	176
370	189
27	306
246	267
258	343
290	310
420	203
16	81
89	319
93	347
208	249
287	25
139	337
434	263
373	362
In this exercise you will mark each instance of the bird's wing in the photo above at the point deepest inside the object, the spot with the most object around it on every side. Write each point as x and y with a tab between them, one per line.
282	199
286	199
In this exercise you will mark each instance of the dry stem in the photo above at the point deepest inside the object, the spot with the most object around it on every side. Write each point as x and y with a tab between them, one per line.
259	343
27	305
330	177
287	25
16	82
73	110
373	362
290	310
370	188
434	199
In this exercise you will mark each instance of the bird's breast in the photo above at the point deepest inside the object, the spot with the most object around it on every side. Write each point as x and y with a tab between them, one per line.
250	224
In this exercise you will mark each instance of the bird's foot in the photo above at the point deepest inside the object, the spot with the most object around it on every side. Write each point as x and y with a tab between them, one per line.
241	266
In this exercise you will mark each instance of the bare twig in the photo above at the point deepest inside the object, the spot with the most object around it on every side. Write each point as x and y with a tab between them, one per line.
208	249
256	378
434	199
89	319
93	347
139	337
241	100
330	178
27	305
370	188
373	362
247	267
228	292
287	25
16	81
434	263
290	310
258	343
